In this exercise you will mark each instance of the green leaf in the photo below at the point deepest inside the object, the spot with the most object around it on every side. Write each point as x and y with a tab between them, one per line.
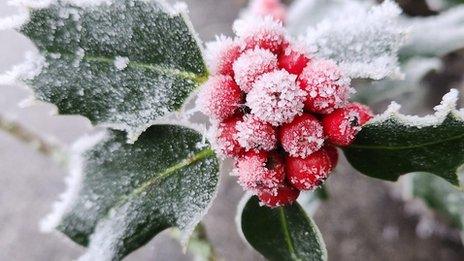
123	65
283	233
393	144
131	192
439	196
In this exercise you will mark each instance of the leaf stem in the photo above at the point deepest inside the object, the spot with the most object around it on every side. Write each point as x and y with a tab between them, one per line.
20	133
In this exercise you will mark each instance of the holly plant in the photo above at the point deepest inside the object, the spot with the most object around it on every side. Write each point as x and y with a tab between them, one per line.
277	95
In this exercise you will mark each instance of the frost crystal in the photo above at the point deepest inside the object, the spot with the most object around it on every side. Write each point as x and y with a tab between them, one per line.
446	107
364	43
327	87
121	62
265	32
276	98
221	54
250	65
255	134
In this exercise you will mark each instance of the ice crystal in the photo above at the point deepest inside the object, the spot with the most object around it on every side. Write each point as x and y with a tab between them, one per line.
276	98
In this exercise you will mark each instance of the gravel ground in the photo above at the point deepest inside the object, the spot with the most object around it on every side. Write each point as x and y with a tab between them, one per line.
360	222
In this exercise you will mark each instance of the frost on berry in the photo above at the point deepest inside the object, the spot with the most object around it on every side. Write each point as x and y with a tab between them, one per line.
221	54
262	32
310	172
342	125
224	139
252	64
326	86
284	195
276	98
260	171
273	8
253	133
365	113
219	97
302	137
294	59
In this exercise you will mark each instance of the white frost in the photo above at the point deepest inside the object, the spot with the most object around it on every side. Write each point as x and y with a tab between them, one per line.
364	42
447	106
121	62
30	68
73	182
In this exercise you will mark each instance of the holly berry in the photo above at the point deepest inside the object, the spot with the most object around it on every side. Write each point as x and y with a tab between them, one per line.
225	138
303	136
273	8
221	54
293	61
342	125
333	154
285	195
252	64
310	172
265	33
220	97
260	171
327	88
252	133
276	98
365	113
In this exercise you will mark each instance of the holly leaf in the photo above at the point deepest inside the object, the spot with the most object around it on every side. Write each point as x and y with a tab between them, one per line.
123	63
393	144
363	41
283	233
121	195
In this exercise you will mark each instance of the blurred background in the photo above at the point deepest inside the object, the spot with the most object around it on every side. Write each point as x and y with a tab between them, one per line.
363	220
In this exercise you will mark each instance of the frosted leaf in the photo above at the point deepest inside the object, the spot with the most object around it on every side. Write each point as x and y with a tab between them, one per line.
123	65
435	35
364	42
403	144
276	98
128	193
308	13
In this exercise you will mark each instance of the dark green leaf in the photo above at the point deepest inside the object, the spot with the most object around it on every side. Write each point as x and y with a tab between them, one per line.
396	144
131	192
122	65
283	233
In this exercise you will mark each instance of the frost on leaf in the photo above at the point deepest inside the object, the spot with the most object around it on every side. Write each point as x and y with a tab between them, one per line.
125	194
393	144
364	42
435	35
123	64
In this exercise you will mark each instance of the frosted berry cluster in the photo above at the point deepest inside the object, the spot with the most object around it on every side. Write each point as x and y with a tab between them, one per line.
277	111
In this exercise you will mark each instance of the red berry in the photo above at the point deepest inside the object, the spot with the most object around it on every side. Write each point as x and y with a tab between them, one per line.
327	88
303	136
261	32
333	154
274	8
256	134
221	54
365	113
225	138
260	171
311	172
220	97
252	64
285	195
293	61
342	125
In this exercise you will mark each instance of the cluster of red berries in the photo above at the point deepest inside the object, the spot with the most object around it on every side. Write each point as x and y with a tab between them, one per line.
277	111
